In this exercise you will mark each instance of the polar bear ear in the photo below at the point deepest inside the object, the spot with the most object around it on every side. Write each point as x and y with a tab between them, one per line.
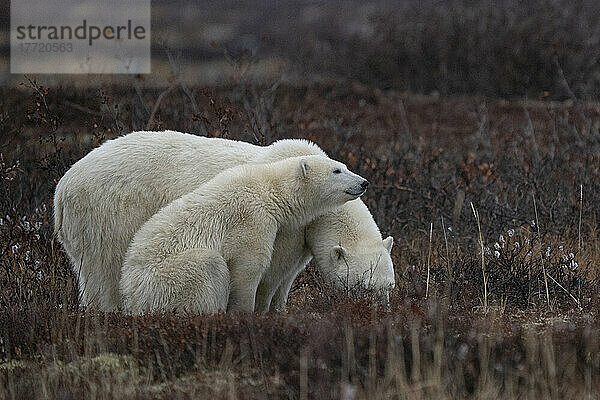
388	242
337	252
304	168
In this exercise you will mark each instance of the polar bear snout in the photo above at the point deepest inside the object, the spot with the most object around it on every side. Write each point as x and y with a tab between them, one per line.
356	184
364	185
358	189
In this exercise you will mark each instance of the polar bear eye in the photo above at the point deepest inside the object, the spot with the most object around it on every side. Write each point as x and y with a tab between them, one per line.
337	171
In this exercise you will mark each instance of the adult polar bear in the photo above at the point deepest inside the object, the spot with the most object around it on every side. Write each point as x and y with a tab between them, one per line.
207	250
105	197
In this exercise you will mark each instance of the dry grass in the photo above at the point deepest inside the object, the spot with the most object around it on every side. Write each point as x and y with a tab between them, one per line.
512	298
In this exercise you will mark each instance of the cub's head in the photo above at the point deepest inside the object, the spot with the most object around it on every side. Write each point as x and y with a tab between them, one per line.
366	266
328	182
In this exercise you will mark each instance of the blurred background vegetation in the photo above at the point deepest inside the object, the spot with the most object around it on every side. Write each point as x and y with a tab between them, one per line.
450	108
508	48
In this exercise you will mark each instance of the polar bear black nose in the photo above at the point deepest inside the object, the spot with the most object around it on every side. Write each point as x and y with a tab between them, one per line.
365	184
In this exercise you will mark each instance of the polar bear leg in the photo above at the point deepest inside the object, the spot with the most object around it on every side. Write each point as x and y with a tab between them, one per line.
98	285
245	278
280	294
290	256
266	289
271	280
272	293
279	299
196	280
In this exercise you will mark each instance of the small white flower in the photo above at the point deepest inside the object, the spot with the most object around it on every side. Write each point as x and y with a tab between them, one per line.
511	232
548	251
527	242
528	253
574	264
497	246
571	256
501	239
450	228
561	248
517	245
27	253
497	254
26	226
14	248
532	223
1	221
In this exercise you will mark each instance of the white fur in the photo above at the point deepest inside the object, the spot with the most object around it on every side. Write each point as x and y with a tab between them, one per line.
228	225
348	251
106	196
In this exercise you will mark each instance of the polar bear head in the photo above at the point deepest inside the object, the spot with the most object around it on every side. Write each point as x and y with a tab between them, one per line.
326	183
366	265
348	250
306	187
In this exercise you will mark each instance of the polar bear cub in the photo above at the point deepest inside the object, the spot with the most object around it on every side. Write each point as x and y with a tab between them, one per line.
207	250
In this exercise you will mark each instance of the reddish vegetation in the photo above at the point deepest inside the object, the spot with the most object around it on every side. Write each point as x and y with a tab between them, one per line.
535	335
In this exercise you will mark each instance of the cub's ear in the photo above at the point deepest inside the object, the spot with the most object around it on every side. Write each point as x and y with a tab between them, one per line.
304	168
388	242
337	252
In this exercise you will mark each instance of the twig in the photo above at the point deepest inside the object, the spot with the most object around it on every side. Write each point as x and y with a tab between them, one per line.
566	291
531	132
565	85
303	375
476	214
405	189
447	252
138	91
157	103
537	223
580	212
546	284
84	109
429	259
33	85
176	70
404	117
